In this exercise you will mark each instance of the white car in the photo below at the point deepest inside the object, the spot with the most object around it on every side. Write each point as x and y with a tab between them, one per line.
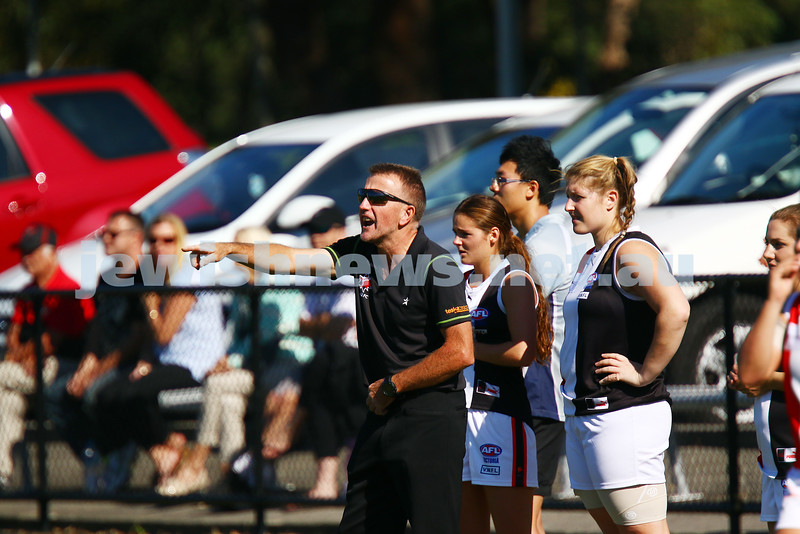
712	211
654	117
249	180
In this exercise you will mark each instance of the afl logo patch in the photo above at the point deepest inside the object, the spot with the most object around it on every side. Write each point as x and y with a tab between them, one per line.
491	450
590	281
479	313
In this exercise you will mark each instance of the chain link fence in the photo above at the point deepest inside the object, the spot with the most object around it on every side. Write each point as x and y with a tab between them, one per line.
290	394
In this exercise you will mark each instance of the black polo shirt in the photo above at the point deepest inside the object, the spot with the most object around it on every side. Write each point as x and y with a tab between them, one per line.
400	318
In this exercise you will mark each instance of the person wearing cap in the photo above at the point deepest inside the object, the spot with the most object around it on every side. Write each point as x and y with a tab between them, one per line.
332	398
61	319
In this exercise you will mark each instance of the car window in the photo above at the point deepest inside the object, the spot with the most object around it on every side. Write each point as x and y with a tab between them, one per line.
106	122
630	123
347	173
11	163
753	154
470	169
463	130
222	190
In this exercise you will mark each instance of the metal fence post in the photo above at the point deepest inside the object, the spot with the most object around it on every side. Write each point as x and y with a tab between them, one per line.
41	442
734	500
255	354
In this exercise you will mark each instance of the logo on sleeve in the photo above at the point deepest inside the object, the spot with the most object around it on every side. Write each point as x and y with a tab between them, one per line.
363	286
457	309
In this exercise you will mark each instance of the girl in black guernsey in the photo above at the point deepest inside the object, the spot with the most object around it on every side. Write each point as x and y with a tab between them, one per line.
512	330
625	317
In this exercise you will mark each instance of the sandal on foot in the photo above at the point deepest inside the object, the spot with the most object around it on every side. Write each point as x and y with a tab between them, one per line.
184	485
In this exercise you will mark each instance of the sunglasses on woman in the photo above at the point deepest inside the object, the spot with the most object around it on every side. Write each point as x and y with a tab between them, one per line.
376	197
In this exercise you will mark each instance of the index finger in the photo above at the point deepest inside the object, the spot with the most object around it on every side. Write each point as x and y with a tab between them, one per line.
204	248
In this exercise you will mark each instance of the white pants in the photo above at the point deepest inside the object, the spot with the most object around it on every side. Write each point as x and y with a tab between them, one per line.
224	404
772	493
790	507
15	384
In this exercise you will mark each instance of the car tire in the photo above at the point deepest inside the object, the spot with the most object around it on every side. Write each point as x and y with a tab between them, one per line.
701	358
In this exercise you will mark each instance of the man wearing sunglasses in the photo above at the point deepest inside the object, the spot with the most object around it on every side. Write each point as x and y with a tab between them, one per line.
414	337
118	336
525	182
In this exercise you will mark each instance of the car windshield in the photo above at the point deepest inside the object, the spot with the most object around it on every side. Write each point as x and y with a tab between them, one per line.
630	123
470	169
753	153
219	192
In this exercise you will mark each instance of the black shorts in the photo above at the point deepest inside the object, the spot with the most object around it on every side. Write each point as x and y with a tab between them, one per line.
550	439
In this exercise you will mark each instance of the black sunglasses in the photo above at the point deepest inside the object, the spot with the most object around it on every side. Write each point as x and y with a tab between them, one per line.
376	197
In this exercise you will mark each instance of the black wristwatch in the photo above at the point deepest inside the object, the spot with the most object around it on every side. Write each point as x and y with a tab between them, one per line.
388	388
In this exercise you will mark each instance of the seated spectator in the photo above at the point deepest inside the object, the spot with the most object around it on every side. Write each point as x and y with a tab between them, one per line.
188	333
230	383
334	387
62	319
117	337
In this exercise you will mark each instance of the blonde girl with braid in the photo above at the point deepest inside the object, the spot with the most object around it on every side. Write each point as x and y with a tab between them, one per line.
512	329
625	317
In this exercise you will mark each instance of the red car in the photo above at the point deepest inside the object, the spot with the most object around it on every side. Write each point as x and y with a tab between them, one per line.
74	147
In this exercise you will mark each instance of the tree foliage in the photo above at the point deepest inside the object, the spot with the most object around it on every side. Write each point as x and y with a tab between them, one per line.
229	66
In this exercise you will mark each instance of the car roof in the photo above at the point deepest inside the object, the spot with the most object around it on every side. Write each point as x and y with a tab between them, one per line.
335	132
713	71
320	128
9	78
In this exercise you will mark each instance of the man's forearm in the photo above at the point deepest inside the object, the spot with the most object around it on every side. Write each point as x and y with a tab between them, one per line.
275	258
440	365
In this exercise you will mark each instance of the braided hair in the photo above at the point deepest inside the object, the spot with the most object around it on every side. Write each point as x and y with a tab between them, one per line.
486	213
604	173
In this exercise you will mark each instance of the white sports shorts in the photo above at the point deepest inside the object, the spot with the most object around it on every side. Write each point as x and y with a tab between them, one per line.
501	451
790	506
618	449
772	492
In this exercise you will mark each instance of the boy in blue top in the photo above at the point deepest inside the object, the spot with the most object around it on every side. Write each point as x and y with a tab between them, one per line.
525	183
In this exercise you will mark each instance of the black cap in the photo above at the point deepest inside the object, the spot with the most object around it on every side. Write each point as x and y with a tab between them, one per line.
324	220
35	236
